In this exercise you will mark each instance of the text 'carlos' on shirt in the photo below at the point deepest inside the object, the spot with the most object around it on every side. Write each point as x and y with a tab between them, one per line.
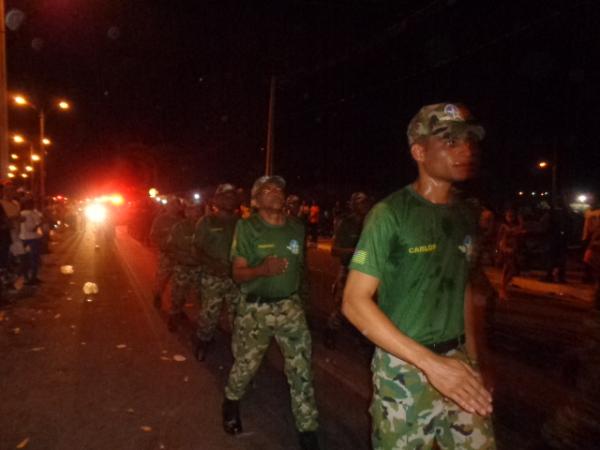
255	239
421	253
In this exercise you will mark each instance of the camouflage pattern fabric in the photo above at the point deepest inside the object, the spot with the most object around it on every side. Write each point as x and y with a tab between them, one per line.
214	291
255	325
164	269
443	119
185	279
408	413
336	318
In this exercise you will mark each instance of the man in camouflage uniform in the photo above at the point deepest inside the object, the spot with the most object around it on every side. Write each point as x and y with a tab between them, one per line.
268	262
186	267
415	254
345	239
159	235
214	233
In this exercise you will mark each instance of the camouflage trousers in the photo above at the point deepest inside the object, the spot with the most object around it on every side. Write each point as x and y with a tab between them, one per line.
408	413
337	291
185	280
164	270
214	291
255	325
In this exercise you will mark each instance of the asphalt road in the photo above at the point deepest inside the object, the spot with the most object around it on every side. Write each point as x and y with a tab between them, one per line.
100	371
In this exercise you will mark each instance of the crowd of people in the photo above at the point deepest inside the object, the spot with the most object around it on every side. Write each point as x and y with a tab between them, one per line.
415	248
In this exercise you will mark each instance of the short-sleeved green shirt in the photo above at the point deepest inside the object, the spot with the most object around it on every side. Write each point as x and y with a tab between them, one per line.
255	239
347	234
212	239
421	253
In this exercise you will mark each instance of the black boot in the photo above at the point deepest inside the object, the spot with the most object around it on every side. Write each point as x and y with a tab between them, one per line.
232	424
308	440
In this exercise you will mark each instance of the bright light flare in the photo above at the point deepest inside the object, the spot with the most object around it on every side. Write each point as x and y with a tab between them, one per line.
12	168
152	192
20	100
28	169
35	158
96	212
46	141
582	198
196	196
18	139
14	156
543	164
117	199
11	175
24	175
64	105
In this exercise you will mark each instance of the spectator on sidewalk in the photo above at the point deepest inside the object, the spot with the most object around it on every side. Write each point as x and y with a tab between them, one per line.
268	262
212	240
159	236
509	245
592	260
314	218
31	235
416	255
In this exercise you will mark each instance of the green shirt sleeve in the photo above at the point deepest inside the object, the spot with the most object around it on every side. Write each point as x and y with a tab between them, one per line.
373	249
241	245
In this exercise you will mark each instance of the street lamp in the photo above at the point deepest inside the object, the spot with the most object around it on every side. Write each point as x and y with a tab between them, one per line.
14	156
12	168
35	157
28	169
543	165
63	105
18	139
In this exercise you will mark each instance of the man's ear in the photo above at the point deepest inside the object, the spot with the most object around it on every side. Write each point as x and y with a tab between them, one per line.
417	150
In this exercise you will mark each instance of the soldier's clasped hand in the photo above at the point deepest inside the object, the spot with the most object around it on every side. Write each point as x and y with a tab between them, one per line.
273	266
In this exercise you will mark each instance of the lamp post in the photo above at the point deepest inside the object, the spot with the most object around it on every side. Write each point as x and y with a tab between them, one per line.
61	105
543	165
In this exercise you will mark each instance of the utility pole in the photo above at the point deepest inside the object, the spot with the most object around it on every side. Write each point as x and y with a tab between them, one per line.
270	130
42	159
3	98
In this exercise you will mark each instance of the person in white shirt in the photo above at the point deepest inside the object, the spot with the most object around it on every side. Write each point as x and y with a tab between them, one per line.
31	235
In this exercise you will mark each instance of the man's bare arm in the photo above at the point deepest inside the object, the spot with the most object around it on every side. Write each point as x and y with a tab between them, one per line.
452	378
271	266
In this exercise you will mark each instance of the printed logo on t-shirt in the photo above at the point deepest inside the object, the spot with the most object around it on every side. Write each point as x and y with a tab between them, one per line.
360	257
429	248
294	247
467	247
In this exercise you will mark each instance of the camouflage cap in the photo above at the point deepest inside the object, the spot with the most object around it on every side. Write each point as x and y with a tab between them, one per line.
274	179
443	119
224	188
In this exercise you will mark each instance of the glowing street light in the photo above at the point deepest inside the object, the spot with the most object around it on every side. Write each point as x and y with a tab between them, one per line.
20	100
582	198
28	169
24	175
543	164
64	105
18	139
14	156
46	141
11	175
35	157
153	192
12	168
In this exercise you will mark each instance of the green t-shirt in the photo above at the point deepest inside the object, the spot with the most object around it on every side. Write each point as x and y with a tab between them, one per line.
347	234
421	253
255	239
212	239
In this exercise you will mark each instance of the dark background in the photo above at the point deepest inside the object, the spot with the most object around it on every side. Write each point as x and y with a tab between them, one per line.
175	93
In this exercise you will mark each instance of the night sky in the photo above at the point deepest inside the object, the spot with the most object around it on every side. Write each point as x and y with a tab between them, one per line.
175	93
